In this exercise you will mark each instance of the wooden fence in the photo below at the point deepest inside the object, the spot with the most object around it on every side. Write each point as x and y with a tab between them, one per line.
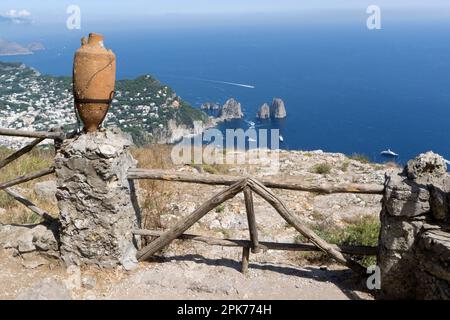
248	186
57	136
235	185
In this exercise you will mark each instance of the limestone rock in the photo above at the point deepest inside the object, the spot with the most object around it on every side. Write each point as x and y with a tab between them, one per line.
433	269
46	190
263	112
278	110
29	239
231	110
414	247
33	260
397	234
404	197
94	198
439	203
129	261
426	164
174	131
47	289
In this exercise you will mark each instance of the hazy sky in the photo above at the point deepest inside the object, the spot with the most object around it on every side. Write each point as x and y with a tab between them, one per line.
52	9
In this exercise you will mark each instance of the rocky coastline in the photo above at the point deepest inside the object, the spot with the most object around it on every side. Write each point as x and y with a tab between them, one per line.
230	110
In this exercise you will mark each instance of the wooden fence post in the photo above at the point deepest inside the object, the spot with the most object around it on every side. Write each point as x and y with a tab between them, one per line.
251	220
245	259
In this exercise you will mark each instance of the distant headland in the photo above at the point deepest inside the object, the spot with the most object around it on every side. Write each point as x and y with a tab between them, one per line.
9	48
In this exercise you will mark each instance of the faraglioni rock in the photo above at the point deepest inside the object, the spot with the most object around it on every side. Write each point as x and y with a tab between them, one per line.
278	110
263	112
231	110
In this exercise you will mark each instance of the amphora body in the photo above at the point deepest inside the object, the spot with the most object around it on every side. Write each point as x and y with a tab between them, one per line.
94	76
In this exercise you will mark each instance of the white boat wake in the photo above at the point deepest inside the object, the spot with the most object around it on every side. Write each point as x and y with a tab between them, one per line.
242	85
226	82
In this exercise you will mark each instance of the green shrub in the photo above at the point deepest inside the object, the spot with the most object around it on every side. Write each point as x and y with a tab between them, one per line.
344	166
322	168
364	232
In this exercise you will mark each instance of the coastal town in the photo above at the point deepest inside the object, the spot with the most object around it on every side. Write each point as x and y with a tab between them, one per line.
32	101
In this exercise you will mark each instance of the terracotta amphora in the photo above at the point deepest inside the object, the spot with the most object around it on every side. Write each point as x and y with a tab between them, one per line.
94	76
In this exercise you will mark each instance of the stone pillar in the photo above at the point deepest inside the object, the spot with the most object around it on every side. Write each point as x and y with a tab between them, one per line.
97	214
415	203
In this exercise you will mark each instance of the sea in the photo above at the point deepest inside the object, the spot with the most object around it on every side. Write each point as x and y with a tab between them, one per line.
346	88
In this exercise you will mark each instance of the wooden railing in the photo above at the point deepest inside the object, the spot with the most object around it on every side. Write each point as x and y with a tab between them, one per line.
57	136
248	186
287	184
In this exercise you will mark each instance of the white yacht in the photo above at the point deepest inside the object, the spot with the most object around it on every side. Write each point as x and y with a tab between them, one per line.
389	153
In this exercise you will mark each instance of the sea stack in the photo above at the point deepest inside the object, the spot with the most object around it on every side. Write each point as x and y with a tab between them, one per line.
278	110
231	110
263	112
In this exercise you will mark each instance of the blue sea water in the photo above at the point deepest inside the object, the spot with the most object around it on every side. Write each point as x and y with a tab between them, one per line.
346	88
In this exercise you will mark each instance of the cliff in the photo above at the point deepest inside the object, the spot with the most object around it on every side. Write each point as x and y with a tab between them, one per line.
175	132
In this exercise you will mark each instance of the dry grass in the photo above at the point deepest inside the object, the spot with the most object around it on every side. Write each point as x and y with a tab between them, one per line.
36	160
360	157
155	195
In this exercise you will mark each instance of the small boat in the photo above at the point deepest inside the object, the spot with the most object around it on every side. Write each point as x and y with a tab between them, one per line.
389	153
251	140
281	138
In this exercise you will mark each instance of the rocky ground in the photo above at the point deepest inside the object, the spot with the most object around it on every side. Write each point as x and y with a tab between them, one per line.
188	276
188	270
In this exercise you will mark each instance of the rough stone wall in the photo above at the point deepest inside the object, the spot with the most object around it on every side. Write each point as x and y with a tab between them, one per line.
414	251
95	198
